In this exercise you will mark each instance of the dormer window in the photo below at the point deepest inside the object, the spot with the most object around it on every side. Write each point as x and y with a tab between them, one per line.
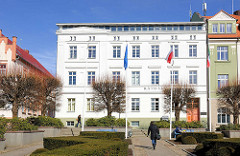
229	28
215	28
222	28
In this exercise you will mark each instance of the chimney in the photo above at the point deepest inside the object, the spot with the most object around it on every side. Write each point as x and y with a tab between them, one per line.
14	48
0	32
27	51
237	12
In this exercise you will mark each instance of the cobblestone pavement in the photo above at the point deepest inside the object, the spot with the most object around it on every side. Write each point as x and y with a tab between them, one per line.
142	146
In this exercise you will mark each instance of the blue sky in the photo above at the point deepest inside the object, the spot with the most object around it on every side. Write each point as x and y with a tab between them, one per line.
34	21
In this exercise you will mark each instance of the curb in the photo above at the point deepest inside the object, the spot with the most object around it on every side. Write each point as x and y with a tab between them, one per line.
170	143
191	154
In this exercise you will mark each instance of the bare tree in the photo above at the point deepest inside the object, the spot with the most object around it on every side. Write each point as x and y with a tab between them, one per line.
109	94
17	90
182	95
48	91
229	97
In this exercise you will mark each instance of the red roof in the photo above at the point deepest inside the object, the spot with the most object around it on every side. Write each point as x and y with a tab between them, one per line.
30	59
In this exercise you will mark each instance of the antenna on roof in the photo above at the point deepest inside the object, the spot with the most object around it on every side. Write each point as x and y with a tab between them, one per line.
204	8
232	6
190	11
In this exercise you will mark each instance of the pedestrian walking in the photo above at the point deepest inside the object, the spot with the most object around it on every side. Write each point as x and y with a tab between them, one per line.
79	120
153	129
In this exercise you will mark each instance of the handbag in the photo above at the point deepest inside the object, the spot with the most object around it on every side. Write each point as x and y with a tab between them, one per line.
158	136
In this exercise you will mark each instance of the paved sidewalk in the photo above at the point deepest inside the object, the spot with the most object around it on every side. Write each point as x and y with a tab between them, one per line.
22	151
142	146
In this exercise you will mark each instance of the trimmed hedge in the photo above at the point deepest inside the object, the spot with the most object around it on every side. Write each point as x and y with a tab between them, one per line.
83	146
189	140
106	122
202	136
183	124
104	135
45	121
218	147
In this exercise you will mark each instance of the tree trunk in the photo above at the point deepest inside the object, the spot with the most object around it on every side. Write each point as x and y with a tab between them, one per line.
235	119
109	112
15	109
177	115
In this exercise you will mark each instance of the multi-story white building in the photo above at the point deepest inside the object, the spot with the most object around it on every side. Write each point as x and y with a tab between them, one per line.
88	51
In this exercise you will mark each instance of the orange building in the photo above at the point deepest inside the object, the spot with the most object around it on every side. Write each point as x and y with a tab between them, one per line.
13	59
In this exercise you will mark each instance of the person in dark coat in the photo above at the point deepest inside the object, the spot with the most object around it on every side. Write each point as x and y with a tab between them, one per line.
153	129
79	120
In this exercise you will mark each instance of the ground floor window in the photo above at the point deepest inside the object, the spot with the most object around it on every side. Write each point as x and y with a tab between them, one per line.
135	123
70	123
223	116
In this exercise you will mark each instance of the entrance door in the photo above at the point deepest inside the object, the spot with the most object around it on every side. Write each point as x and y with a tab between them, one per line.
193	110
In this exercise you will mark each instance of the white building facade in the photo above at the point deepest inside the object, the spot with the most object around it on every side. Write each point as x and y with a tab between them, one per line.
89	51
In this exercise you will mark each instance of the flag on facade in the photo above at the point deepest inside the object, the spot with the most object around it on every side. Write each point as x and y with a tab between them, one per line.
126	58
208	59
169	56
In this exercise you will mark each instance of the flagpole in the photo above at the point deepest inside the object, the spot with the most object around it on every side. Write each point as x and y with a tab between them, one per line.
126	131
170	134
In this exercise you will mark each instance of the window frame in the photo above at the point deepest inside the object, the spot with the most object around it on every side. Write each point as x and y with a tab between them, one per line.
136	51
222	53
71	104
193	77
155	77
229	27
135	104
116	76
175	49
3	69
72	78
192	50
174	76
222	28
90	104
220	113
155	51
91	77
222	80
215	28
136	78
92	52
116	51
155	104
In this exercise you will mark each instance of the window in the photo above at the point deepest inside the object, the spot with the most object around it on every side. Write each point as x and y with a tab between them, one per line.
222	28
192	77
222	53
71	105
116	76
155	104
91	77
155	51
91	38
155	77
175	50
136	78
116	52
215	28
135	123
3	70
223	116
135	104
73	52
136	51
70	123
72	78
90	105
229	28
222	80
135	37
174	77
92	52
192	50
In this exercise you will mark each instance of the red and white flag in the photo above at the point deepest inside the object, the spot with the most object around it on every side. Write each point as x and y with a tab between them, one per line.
169	56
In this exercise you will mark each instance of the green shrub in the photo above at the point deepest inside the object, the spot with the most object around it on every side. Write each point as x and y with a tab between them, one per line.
91	122
104	135
16	124
40	150
228	127
225	151
84	146
3	125
183	124
232	144
199	148
45	121
106	122
189	140
202	136
179	138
